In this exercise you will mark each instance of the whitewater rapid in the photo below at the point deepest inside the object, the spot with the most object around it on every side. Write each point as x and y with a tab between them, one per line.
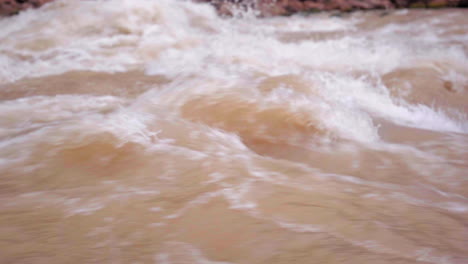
159	132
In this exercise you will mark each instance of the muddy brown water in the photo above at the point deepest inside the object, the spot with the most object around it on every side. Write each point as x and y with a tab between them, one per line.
156	132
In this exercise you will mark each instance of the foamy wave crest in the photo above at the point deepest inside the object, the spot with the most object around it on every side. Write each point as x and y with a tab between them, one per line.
104	36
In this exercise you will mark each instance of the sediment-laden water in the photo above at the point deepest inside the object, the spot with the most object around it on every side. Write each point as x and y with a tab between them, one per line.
158	132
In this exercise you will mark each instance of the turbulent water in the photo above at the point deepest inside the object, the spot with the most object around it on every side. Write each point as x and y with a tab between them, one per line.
158	132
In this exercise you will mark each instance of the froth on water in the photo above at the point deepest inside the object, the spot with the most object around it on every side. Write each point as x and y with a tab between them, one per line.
158	132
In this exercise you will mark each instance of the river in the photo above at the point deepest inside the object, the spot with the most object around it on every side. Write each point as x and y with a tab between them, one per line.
159	132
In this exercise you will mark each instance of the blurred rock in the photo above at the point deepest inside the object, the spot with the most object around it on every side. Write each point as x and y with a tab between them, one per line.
275	7
287	7
11	7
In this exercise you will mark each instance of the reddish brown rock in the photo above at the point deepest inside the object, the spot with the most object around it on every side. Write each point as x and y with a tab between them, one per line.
286	7
10	7
275	7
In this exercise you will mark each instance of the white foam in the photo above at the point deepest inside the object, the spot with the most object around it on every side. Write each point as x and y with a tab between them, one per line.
91	35
186	41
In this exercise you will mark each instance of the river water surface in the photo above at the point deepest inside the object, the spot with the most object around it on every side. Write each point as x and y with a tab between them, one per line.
158	132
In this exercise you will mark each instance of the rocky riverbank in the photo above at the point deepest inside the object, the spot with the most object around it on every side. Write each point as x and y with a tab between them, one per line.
11	7
276	7
287	7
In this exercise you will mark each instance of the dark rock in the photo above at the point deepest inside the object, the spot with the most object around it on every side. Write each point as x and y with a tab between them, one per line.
11	7
275	7
287	7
